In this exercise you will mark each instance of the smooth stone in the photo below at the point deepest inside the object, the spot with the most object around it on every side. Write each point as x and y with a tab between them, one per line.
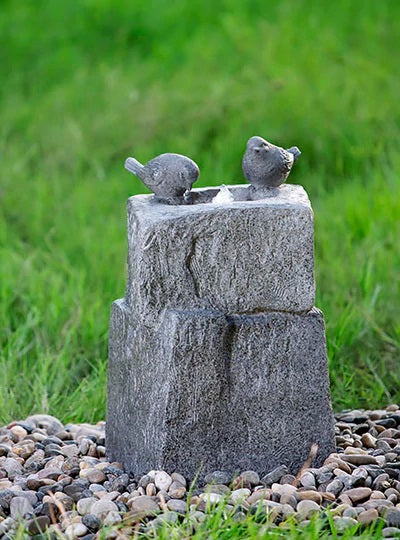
358	494
102	508
177	505
177	490
91	521
112	518
350	512
309	495
38	525
239	495
51	424
83	505
307	480
335	487
256	497
163	519
19	507
12	467
75	530
218	477
176	477
250	477
70	450
274	476
211	498
343	523
379	504
283	489
389	532
95	476
162	480
144	506
287	479
392	517
368	516
306	509
360	459
5	498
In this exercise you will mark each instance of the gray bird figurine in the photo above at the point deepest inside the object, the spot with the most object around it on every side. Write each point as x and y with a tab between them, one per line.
266	165
168	176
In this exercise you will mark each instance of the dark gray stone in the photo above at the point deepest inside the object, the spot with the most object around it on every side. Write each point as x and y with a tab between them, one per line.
217	359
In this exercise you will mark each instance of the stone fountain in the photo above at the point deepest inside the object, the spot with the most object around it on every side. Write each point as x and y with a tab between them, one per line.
217	356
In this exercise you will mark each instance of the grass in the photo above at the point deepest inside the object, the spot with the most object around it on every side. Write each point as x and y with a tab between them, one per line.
103	81
224	524
87	83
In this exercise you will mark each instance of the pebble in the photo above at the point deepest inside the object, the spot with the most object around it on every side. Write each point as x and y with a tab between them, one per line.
176	490
49	471
343	523
250	477
368	516
162	480
144	506
112	518
95	476
392	517
239	495
274	476
306	509
211	498
84	505
177	505
75	530
360	459
358	494
335	487
309	496
218	477
19	507
91	521
102	508
307	480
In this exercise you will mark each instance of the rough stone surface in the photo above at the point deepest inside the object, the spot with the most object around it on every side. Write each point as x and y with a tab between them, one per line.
241	257
217	358
235	412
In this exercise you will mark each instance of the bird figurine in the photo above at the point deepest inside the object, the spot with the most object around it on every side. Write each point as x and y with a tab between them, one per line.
169	176
266	165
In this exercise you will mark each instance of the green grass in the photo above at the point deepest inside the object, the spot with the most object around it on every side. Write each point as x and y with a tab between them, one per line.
87	83
224	524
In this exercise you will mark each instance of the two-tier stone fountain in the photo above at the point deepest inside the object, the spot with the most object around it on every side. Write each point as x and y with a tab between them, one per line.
217	356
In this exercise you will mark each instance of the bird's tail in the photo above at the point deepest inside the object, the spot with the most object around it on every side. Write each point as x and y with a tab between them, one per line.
294	151
132	165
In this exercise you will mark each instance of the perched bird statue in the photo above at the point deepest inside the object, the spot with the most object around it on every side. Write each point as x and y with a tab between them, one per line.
266	165
169	176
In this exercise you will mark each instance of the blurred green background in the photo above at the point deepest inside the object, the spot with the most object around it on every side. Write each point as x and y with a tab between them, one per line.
86	83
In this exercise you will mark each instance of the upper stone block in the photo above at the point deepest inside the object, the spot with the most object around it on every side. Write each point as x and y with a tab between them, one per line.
241	257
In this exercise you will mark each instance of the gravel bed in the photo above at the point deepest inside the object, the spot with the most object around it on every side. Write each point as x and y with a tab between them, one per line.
57	478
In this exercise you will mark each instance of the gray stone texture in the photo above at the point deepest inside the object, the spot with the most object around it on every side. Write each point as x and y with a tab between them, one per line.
217	359
240	257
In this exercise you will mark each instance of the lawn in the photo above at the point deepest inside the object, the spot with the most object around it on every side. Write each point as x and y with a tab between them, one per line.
87	83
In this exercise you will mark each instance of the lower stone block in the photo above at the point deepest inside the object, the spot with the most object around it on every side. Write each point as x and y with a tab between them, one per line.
206	391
